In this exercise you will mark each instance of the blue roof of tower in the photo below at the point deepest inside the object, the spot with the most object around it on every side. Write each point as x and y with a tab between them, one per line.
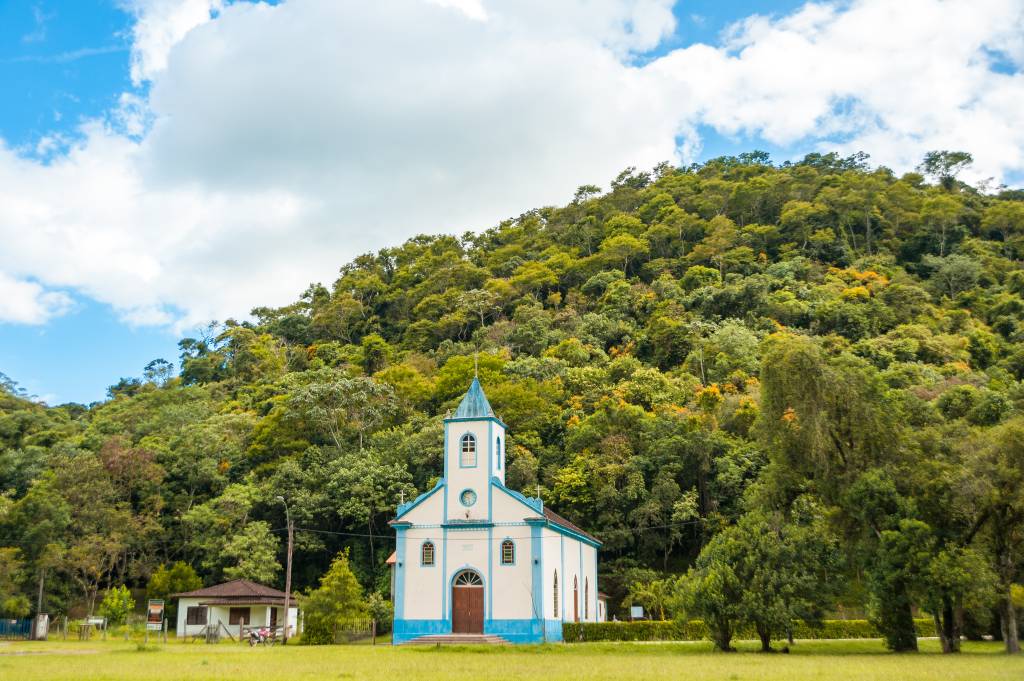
474	405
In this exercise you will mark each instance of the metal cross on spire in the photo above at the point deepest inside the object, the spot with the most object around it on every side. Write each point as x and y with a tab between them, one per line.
475	367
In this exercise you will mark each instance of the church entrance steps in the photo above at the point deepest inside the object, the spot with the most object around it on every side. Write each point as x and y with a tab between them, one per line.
458	640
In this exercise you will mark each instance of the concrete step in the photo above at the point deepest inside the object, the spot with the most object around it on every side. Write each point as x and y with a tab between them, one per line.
458	640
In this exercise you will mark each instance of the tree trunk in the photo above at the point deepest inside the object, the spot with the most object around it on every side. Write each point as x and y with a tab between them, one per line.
898	622
39	598
765	635
723	639
1008	624
867	231
958	627
939	631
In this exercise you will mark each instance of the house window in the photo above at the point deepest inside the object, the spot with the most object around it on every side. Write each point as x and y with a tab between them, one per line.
508	552
467	454
427	553
556	593
238	616
195	614
497	451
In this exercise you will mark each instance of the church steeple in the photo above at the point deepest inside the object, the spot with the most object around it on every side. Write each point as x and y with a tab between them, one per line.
474	404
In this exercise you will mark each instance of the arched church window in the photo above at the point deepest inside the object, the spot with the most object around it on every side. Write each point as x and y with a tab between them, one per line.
497	451
575	599
467	453
556	593
508	552
468	578
427	553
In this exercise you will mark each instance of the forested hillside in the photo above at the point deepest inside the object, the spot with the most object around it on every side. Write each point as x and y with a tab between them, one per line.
820	345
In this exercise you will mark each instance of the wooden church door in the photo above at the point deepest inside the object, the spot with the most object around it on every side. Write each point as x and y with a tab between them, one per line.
468	604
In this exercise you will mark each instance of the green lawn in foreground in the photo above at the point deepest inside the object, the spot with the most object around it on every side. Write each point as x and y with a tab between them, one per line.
864	659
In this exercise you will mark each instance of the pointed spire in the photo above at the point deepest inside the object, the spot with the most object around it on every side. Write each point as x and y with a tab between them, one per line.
474	404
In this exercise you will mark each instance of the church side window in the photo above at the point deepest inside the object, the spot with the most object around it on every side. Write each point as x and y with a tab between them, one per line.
467	452
427	553
508	552
556	593
586	597
497	451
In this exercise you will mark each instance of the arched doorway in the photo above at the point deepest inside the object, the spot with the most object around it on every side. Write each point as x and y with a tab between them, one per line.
467	603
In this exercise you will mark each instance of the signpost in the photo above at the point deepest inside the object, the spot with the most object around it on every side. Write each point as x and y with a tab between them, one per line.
154	616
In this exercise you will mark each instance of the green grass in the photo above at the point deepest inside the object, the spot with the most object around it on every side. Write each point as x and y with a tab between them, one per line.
862	660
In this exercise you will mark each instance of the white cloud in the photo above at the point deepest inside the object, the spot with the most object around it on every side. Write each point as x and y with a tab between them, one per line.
893	79
473	9
26	302
159	25
277	142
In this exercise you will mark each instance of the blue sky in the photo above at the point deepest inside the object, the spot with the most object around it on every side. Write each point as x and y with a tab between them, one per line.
238	175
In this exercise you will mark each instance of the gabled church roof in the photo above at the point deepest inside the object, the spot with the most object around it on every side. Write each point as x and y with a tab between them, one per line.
474	405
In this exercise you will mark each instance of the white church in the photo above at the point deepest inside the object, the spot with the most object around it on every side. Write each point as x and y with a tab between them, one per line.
474	557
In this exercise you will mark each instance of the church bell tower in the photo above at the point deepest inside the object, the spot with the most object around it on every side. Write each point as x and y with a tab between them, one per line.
474	453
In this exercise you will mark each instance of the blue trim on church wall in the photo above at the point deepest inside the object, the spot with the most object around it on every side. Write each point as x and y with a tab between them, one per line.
513	631
444	569
399	572
406	507
490	520
458	419
445	478
537	556
531	503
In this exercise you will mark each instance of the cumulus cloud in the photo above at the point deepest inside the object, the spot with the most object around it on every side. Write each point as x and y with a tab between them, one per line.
26	302
892	79
159	25
271	144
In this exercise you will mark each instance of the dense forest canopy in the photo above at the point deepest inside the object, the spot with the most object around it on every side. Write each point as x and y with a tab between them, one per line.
693	358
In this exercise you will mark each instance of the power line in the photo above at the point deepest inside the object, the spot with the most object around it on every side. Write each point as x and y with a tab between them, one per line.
388	537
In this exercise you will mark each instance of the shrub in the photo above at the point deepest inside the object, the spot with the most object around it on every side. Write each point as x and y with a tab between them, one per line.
338	598
117	605
695	630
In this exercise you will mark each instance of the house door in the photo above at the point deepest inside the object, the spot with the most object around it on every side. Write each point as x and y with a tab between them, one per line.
467	603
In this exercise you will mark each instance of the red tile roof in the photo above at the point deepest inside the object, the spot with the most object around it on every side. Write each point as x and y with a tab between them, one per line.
235	590
559	520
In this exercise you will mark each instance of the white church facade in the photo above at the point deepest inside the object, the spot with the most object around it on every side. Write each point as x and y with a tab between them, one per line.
474	557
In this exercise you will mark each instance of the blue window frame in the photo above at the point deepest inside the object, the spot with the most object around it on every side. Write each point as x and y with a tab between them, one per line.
467	451
497	451
508	552
428	554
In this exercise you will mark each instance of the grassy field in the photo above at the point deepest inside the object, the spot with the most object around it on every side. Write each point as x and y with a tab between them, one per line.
863	659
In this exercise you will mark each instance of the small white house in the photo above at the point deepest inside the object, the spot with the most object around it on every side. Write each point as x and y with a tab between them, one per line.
234	604
475	557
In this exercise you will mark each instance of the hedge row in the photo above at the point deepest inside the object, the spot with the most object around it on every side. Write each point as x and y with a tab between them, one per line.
694	630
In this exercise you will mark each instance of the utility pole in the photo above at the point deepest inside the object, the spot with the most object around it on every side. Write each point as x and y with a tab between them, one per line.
288	569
